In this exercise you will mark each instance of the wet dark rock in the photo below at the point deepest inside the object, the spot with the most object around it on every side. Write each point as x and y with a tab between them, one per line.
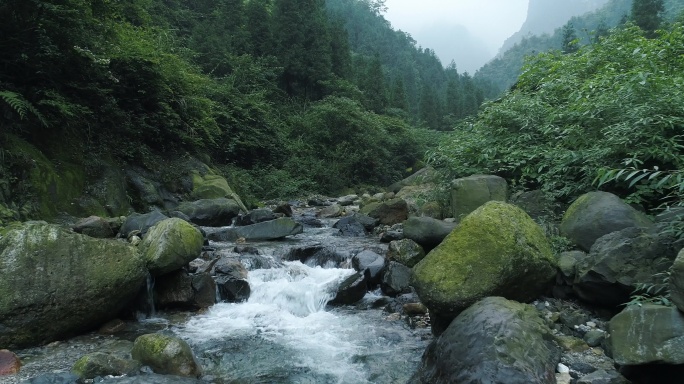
350	227
309	221
267	230
283	208
493	341
141	222
181	290
389	236
351	290
255	216
211	212
232	290
396	279
315	255
318	202
426	231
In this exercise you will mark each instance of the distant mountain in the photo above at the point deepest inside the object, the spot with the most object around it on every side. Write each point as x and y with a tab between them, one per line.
544	16
455	42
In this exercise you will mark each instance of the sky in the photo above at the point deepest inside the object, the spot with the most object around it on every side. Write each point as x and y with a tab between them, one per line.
468	31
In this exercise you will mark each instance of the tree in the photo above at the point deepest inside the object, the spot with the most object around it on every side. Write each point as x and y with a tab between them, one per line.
647	14
398	96
569	44
258	27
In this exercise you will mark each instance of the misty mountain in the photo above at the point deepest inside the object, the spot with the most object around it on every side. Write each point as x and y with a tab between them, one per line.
455	42
544	16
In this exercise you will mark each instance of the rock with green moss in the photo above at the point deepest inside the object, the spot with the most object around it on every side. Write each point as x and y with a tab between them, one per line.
595	214
212	186
493	341
676	283
55	283
406	252
166	355
643	334
495	251
103	364
171	244
469	193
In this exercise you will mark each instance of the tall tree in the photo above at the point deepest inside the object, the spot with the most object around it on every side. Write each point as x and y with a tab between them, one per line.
647	14
569	44
258	27
398	95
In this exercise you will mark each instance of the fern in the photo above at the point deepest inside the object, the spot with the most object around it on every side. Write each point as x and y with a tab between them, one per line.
21	106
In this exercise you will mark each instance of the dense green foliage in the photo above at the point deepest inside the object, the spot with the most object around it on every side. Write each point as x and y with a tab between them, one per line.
502	72
286	96
572	115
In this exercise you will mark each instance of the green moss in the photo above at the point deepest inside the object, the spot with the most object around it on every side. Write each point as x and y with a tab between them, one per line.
483	257
171	244
576	205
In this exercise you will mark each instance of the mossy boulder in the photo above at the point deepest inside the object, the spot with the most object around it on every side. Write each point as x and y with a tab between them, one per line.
493	341
102	364
212	186
595	214
211	212
55	283
166	355
171	244
497	250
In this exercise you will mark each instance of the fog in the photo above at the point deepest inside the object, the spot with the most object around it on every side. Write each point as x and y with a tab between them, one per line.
467	31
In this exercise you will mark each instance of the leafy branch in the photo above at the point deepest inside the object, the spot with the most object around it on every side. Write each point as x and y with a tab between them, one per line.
21	106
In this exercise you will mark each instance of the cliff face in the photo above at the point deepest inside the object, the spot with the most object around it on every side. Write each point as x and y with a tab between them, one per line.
543	16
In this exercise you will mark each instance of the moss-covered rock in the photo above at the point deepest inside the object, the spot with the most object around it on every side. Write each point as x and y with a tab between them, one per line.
54	283
211	212
212	186
166	355
171	244
103	364
596	214
495	251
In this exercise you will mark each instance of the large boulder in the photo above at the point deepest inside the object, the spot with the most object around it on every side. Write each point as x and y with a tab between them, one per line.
426	231
387	212
147	192
619	262
351	290
676	283
469	193
495	251
208	185
647	333
355	225
54	283
267	230
211	212
595	214
166	355
370	263
493	341
170	245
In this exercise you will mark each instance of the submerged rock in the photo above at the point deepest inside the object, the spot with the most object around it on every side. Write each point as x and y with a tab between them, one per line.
166	355
495	251
493	341
102	364
55	283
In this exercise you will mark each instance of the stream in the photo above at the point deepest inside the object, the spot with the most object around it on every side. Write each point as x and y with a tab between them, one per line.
284	333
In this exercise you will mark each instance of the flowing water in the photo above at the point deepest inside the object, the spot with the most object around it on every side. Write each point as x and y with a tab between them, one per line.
284	333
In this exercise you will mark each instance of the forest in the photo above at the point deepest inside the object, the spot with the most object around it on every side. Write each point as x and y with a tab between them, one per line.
289	97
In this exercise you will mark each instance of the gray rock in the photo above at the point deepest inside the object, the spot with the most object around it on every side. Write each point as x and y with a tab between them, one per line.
618	262
211	212
347	200
255	216
422	176
231	280
141	222
647	334
493	341
469	193
676	284
534	203
351	290
370	263
267	230
315	255
594	337
603	377
180	290
596	214
355	225
94	226
426	231
147	192
396	279
330	211
567	264
55	283
405	251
